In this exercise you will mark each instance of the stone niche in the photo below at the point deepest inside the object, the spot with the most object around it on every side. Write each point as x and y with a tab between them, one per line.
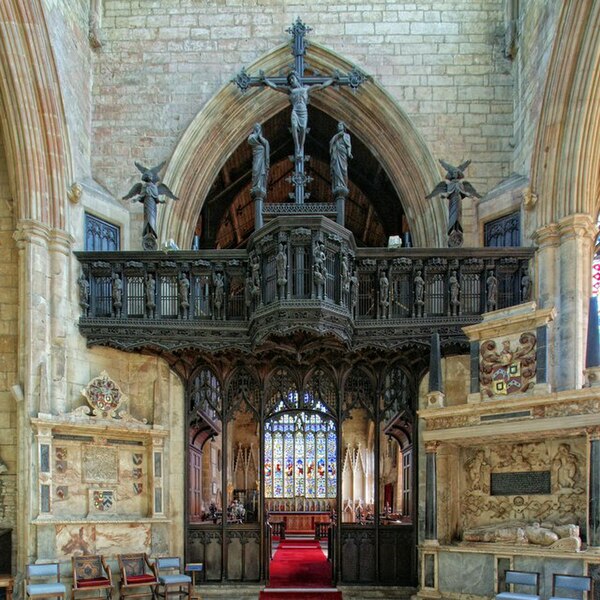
100	476
509	353
514	492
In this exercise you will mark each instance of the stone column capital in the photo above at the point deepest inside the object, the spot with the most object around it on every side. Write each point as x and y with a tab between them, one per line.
546	236
30	231
593	433
61	241
577	226
432	447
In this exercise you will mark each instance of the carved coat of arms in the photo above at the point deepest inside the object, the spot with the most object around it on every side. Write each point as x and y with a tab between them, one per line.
509	370
103	500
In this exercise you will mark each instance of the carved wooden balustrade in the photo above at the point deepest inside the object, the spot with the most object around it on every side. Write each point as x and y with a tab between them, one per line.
308	276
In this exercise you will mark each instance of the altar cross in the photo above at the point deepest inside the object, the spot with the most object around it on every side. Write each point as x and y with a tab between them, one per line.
298	89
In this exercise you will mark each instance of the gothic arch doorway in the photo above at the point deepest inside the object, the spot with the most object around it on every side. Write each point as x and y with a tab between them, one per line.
325	440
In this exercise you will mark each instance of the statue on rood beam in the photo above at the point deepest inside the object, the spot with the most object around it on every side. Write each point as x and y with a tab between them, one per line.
455	189
298	96
148	192
260	162
340	150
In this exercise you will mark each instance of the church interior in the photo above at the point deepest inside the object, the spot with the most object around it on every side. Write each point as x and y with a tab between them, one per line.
281	278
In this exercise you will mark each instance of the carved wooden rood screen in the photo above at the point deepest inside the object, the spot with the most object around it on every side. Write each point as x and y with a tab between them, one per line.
301	356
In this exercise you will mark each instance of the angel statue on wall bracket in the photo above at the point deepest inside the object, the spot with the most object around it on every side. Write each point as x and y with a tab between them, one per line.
148	192
455	189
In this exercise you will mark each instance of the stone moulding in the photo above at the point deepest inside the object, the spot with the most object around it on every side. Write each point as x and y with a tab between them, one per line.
571	410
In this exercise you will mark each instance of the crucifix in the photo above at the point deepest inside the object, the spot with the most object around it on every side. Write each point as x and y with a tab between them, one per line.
298	86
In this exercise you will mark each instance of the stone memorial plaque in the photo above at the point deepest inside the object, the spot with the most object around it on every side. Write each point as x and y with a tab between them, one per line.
100	464
520	483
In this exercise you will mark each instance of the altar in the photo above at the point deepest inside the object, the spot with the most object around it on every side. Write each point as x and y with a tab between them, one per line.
300	521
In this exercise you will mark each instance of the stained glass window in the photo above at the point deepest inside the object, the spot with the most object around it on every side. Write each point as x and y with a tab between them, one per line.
300	450
596	265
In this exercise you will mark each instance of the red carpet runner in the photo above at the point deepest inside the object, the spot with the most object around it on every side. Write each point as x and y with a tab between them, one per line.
299	569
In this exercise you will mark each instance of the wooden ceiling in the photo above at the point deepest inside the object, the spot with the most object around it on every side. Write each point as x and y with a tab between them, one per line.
373	209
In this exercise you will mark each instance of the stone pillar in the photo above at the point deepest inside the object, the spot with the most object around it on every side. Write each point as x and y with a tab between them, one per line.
431	493
60	315
593	536
32	240
563	271
43	311
547	238
577	237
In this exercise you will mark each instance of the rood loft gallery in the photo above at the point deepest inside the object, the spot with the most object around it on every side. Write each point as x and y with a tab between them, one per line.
317	286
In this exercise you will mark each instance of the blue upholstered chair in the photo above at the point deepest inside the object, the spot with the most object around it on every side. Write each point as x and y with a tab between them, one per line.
527	579
171	581
51	586
573	583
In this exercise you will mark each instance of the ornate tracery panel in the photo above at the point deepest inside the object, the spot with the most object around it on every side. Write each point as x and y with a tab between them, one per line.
300	449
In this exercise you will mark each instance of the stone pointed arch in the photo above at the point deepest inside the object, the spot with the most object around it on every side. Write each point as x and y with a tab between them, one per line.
33	117
371	113
566	159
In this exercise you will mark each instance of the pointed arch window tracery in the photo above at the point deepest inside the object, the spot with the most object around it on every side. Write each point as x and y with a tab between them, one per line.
300	449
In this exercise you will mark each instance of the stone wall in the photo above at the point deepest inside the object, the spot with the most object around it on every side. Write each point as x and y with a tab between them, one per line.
8	349
68	26
162	61
535	28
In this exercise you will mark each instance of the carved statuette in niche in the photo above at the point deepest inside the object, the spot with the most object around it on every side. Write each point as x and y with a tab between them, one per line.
509	370
564	468
477	469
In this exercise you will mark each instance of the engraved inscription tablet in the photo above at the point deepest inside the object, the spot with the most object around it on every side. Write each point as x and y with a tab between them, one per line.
520	483
100	464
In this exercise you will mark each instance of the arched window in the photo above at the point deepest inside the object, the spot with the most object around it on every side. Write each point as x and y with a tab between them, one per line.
300	450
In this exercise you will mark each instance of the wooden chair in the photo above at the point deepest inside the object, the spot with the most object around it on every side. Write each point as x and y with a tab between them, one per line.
51	588
521	578
573	583
90	572
137	573
171	580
